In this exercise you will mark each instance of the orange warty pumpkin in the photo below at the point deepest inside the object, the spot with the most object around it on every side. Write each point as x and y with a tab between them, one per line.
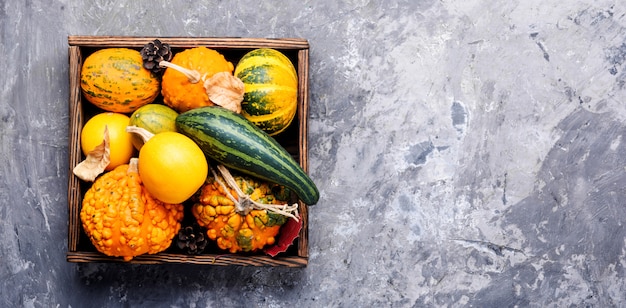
183	93
123	220
233	227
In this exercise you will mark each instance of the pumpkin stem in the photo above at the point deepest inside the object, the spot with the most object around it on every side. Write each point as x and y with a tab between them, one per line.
244	204
193	75
143	133
133	165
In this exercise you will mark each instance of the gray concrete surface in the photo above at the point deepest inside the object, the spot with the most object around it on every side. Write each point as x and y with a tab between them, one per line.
468	154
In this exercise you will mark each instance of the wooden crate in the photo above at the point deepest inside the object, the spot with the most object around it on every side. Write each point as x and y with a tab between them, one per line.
294	139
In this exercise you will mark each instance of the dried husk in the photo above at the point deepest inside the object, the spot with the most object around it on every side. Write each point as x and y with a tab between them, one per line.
244	204
96	161
223	89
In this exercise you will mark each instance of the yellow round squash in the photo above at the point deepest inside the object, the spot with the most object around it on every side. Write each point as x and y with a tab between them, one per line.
172	167
120	142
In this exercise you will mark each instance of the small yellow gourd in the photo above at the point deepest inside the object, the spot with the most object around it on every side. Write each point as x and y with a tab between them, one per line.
171	165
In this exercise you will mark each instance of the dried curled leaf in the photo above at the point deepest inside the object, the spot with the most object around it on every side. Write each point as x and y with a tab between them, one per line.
96	161
143	134
225	90
288	234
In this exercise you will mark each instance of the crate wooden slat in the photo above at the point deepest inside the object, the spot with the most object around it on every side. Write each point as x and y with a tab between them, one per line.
295	140
303	111
205	259
188	42
76	121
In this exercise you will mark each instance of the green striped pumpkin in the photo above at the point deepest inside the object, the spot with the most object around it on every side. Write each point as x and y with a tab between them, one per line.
232	140
271	89
155	118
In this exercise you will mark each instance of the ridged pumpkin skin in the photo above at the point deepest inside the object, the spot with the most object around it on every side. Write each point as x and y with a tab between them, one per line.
114	80
180	93
271	89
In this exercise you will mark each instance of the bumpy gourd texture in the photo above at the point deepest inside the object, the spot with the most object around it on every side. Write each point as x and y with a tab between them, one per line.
178	91
123	220
114	80
235	231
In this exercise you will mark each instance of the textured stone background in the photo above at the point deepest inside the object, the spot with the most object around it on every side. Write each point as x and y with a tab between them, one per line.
468	153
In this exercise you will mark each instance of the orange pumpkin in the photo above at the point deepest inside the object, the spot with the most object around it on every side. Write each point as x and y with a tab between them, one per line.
234	227
123	220
184	92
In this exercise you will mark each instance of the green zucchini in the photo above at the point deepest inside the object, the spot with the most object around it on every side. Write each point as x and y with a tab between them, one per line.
230	139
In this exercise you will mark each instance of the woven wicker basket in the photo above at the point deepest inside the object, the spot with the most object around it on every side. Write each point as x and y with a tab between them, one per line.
294	139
